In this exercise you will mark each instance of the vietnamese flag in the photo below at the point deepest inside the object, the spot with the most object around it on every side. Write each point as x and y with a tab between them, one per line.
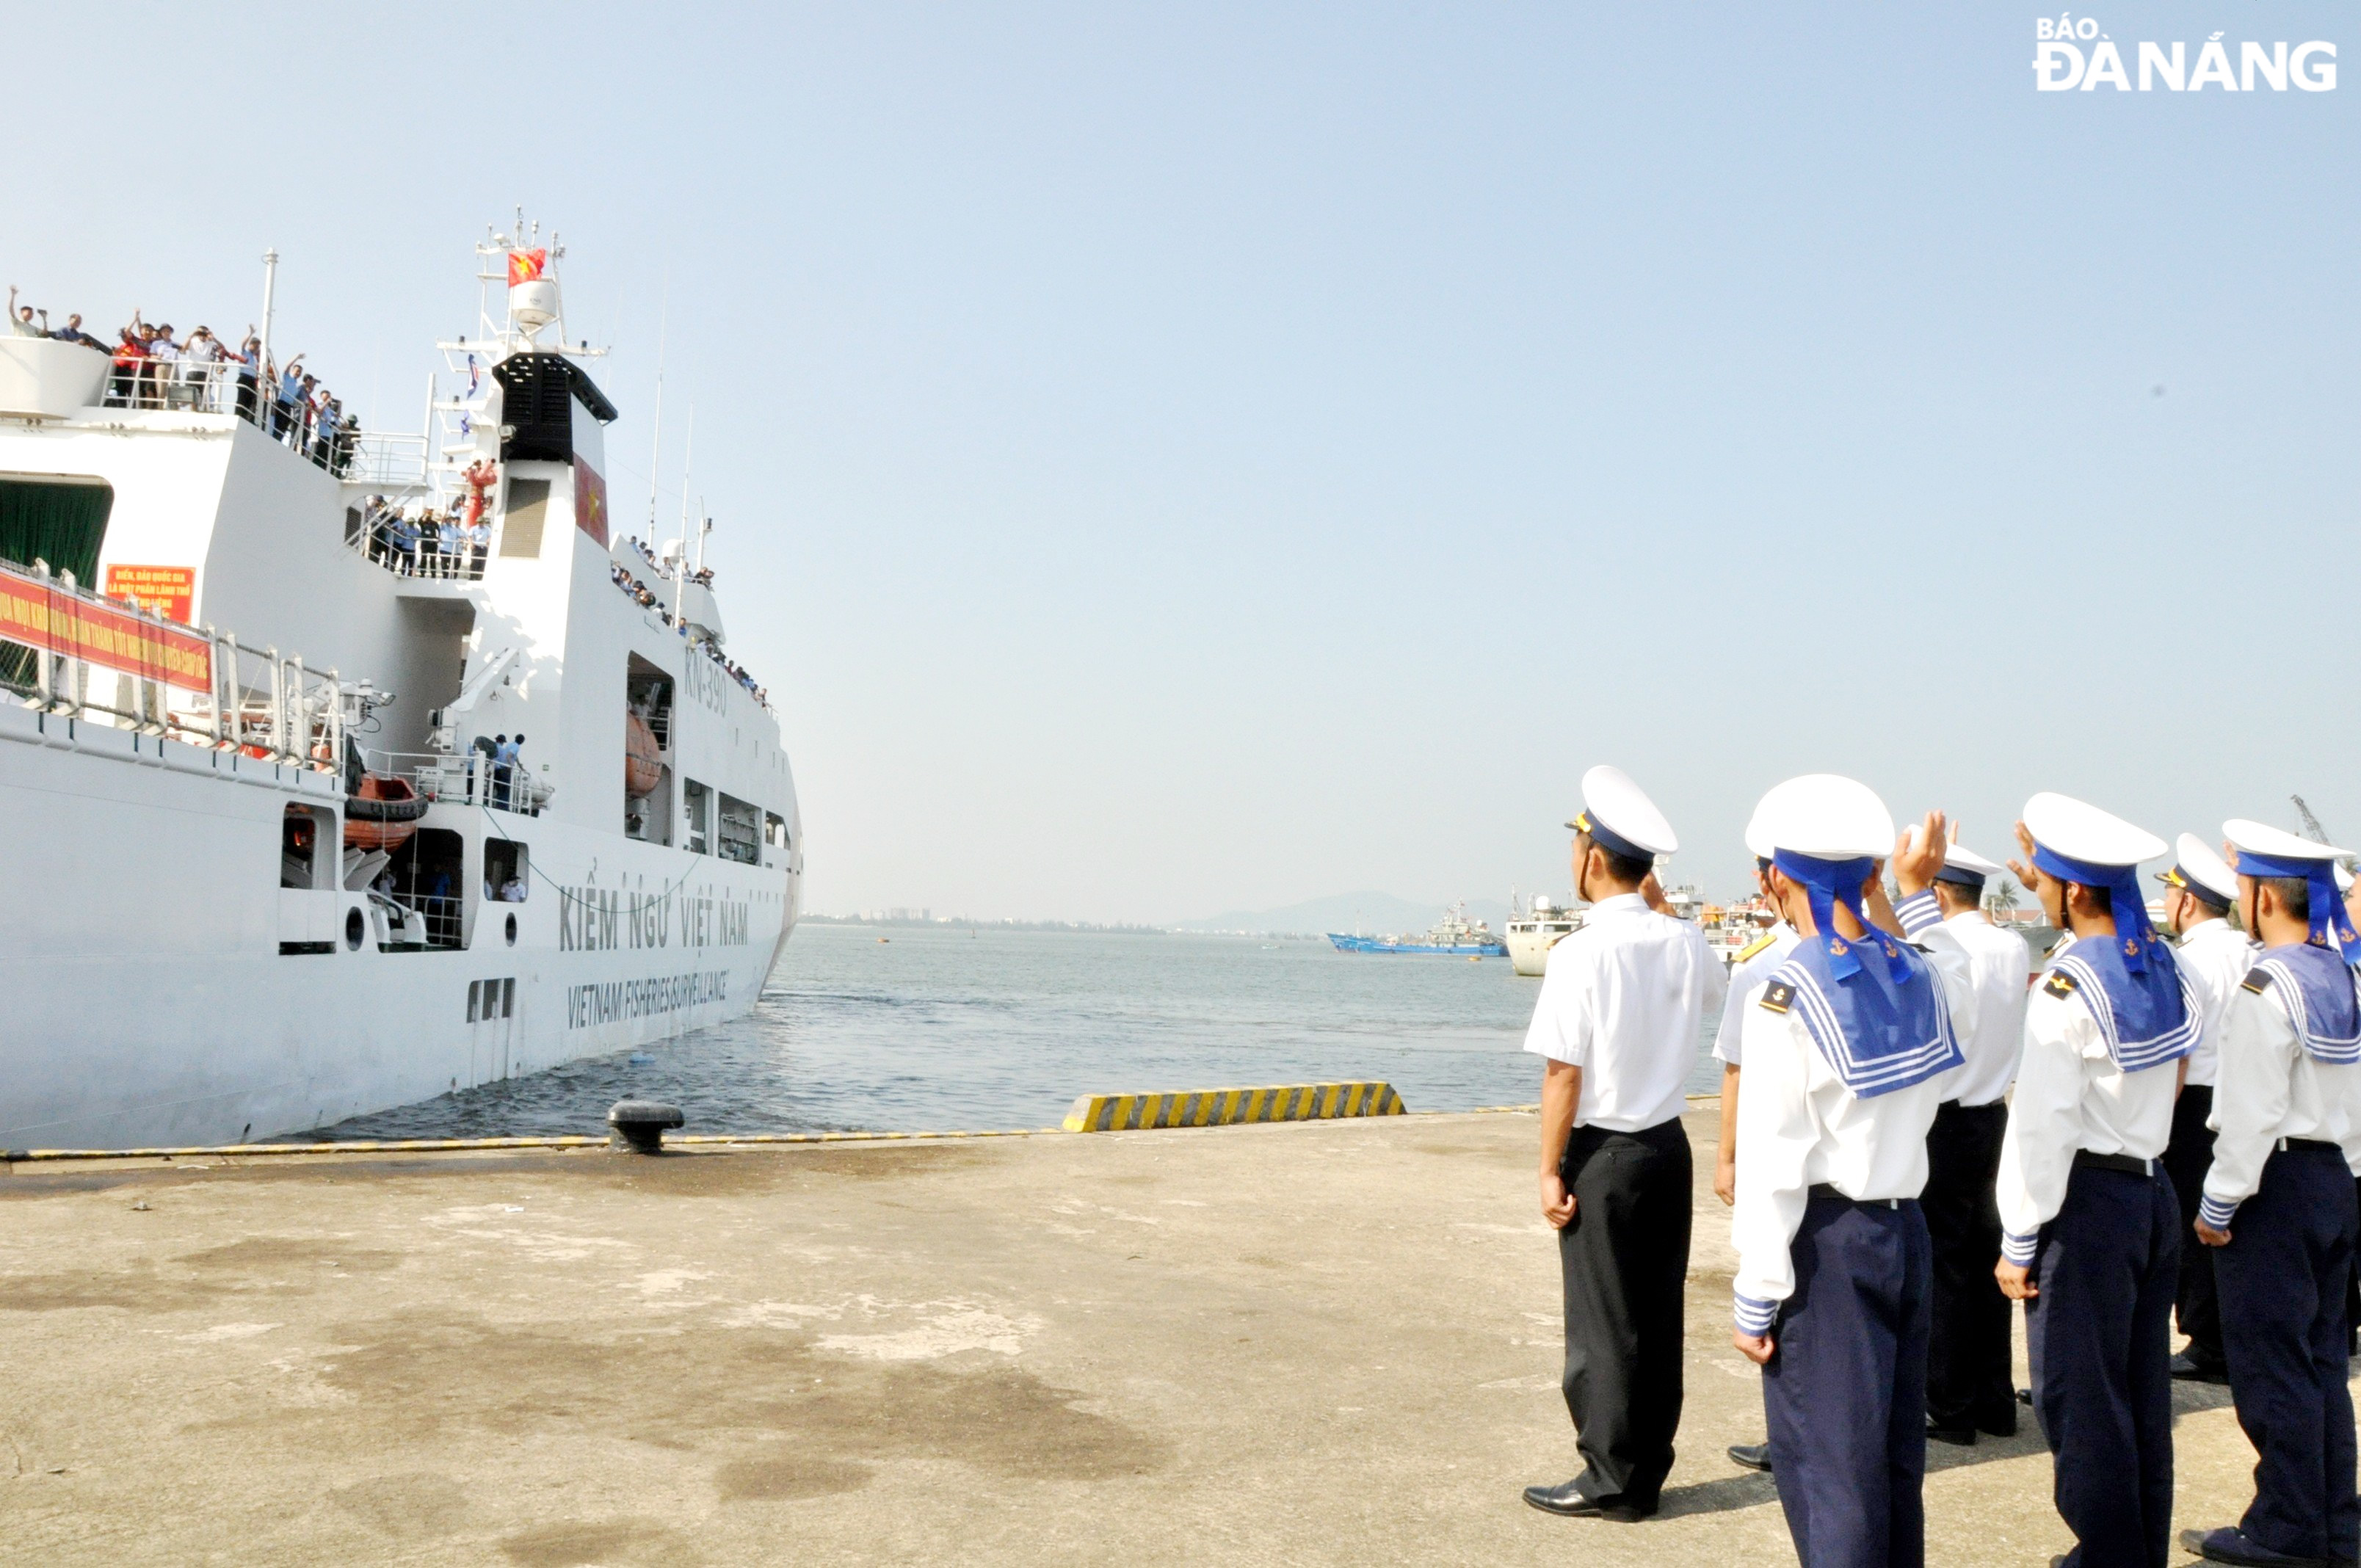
525	266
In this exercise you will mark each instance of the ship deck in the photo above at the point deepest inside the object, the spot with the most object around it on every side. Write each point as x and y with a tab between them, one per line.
1327	1342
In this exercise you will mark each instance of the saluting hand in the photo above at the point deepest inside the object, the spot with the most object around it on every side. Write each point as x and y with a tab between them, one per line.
1919	853
1653	892
2016	1279
2024	869
1756	1348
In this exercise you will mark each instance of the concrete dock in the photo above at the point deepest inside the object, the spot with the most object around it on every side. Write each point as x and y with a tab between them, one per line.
1317	1342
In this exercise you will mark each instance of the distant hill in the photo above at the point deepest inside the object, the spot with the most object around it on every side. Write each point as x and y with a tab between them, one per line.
1378	913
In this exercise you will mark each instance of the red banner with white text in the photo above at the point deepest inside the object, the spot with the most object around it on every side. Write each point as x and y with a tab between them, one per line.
37	612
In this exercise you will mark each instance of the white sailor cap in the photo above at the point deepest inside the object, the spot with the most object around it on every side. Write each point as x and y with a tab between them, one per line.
1620	818
2260	841
1824	816
1965	867
2198	871
1758	844
2071	830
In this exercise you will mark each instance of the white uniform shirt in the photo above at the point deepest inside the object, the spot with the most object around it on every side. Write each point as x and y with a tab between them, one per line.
1999	963
1624	999
1729	1046
2070	1095
2215	959
1798	1126
2269	1089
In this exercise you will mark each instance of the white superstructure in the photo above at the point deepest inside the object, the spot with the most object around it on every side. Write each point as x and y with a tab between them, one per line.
259	867
1532	933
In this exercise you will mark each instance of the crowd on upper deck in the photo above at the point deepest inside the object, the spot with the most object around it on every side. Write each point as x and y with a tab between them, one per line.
418	539
648	599
153	369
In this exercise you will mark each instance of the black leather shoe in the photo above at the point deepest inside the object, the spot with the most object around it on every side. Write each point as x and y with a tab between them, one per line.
2004	1426
1751	1456
2229	1544
1569	1502
2187	1368
1958	1437
2025	1396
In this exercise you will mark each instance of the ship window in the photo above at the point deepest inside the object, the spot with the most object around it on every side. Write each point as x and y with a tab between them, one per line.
697	805
427	873
521	521
474	993
775	830
741	832
507	871
302	833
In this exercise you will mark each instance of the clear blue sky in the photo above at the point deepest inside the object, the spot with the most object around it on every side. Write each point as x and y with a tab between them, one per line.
1179	458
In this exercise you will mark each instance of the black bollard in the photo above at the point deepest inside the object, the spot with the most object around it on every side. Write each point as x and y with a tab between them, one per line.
640	1123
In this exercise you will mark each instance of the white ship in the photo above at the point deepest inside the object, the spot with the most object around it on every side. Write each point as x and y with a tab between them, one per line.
263	863
1531	934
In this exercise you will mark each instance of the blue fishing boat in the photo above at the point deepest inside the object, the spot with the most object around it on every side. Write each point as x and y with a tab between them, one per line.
1454	936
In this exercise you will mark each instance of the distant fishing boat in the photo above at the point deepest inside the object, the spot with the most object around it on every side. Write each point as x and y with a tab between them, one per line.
1455	935
1532	934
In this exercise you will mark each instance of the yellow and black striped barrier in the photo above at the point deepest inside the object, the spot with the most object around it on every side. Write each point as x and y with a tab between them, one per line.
1226	1107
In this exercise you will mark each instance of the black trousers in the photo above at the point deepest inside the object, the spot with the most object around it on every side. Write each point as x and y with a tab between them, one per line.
1845	1392
2282	1279
2100	1334
1970	1382
2186	1161
1625	1257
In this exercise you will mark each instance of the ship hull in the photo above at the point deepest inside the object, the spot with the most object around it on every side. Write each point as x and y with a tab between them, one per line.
164	990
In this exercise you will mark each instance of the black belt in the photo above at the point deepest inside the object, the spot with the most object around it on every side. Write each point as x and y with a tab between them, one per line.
2309	1145
1822	1190
2122	1164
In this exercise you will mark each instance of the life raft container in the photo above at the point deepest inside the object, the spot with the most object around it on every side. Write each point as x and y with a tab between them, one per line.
382	813
643	762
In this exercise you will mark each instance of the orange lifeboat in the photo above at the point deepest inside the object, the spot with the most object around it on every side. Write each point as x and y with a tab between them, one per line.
382	813
642	760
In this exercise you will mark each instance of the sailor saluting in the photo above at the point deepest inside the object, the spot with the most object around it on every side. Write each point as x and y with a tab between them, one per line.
1849	1047
2092	1242
1619	1013
2279	1213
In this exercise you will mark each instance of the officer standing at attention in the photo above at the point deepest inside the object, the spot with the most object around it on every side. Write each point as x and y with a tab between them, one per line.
1971	1384
1752	968
2092	1242
2215	955
2279	1213
1847	1048
1621	1005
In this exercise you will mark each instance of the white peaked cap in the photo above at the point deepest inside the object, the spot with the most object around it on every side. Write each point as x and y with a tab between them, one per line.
1959	858
2268	840
2195	863
1611	801
2083	832
1758	844
1827	816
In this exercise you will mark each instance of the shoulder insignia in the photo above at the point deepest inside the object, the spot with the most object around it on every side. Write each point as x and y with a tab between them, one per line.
2256	980
2061	983
1777	996
1755	947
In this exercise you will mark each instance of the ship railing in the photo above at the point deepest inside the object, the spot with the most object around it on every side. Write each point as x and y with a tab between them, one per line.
229	386
258	701
411	548
466	778
443	918
388	458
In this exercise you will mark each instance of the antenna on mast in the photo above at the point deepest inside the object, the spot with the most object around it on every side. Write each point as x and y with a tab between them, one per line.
655	457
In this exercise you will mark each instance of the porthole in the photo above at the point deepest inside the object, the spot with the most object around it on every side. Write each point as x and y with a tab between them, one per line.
511	930
356	927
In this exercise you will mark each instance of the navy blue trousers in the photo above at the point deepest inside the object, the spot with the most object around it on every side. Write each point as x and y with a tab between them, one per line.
2281	1282
2101	1337
1845	1396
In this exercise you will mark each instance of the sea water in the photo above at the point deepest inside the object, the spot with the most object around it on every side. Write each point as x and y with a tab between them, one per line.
936	1028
